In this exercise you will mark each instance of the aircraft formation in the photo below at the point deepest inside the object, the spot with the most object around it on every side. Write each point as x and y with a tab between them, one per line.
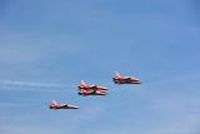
95	90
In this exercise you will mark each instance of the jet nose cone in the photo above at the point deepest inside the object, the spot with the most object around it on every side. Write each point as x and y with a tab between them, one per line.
140	82
77	107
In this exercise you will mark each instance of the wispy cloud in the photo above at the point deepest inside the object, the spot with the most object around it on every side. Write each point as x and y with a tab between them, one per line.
30	130
9	84
11	105
30	84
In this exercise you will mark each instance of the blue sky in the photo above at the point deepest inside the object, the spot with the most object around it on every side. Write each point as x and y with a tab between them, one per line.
47	47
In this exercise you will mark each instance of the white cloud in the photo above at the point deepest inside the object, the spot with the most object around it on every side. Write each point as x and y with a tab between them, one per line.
30	130
32	84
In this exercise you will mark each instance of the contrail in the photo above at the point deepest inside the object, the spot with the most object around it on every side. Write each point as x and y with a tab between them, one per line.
33	84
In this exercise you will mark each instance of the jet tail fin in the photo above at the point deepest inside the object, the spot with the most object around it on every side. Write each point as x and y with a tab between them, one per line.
117	74
54	102
82	83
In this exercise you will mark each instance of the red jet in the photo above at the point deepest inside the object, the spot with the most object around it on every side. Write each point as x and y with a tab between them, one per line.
55	106
86	92
118	79
86	89
83	85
